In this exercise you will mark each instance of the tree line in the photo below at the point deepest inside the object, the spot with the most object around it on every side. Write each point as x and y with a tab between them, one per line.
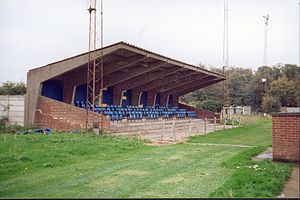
12	88
265	90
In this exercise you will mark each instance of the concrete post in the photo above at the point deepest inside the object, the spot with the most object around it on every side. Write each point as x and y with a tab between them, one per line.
205	126
190	128
173	132
163	130
215	123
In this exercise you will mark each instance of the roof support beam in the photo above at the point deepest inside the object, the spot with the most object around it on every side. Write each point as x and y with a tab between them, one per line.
195	82
113	67
182	91
175	81
147	78
161	81
118	78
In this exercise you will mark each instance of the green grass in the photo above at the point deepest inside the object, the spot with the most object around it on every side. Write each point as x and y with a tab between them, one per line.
254	131
253	179
83	165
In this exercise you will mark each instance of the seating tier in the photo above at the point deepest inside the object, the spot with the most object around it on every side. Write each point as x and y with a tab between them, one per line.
117	112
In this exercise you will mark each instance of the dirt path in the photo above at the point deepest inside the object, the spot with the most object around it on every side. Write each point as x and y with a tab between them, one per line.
291	187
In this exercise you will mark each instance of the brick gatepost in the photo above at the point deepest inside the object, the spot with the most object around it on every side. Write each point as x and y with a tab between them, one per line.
286	130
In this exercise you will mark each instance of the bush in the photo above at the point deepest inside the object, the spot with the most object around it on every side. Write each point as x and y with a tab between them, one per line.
2	123
13	128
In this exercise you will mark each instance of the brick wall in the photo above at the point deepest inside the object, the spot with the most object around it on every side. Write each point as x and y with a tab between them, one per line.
61	116
286	130
201	113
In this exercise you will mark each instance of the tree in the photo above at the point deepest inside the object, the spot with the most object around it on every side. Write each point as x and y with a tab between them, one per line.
297	89
291	71
211	105
271	104
284	90
238	79
12	88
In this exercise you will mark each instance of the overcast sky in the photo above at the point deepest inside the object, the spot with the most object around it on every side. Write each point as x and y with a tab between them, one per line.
34	33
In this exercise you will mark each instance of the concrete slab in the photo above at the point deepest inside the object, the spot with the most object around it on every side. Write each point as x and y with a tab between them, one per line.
268	154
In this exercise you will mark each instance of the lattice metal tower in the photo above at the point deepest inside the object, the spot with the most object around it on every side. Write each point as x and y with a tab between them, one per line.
95	67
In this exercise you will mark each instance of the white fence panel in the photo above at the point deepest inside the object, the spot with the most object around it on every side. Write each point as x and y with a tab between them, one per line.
12	107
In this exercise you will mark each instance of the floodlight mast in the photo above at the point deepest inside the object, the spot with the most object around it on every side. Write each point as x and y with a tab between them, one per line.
91	67
225	36
225	50
265	59
94	82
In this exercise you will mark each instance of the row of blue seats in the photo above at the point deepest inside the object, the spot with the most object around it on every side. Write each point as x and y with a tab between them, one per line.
82	104
135	113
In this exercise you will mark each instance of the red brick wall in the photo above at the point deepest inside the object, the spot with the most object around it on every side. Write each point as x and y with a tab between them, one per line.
201	113
61	116
286	130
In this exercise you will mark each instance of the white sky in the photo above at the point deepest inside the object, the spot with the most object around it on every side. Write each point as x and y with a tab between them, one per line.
34	33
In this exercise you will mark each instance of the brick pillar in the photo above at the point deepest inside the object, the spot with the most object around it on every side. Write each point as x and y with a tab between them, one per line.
286	130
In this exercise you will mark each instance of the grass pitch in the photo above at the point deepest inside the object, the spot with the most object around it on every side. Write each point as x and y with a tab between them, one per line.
83	165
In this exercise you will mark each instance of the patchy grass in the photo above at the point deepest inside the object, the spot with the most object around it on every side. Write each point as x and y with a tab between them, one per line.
253	179
254	131
68	165
83	165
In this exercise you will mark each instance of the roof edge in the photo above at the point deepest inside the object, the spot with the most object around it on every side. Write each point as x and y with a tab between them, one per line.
81	54
123	45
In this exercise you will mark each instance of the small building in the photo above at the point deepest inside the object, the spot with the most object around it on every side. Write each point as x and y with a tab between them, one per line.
236	110
289	109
